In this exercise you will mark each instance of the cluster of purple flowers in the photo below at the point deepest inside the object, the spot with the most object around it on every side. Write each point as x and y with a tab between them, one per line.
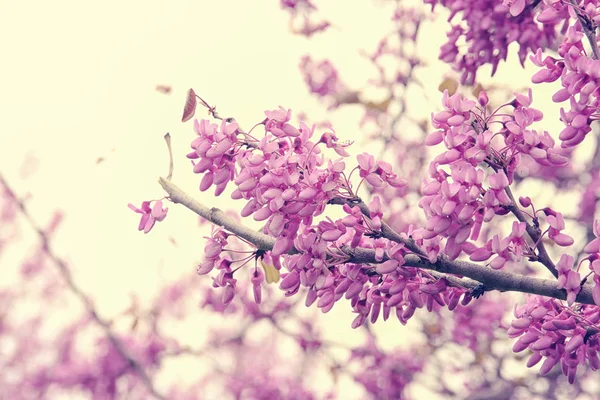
457	202
557	334
489	27
286	183
579	76
385	375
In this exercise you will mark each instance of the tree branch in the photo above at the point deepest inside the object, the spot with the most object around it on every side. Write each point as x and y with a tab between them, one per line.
492	279
589	29
386	230
534	233
87	302
218	217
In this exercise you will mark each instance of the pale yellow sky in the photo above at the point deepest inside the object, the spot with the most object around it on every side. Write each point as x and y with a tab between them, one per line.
78	81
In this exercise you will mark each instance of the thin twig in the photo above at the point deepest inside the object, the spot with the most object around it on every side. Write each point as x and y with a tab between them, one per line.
386	230
534	233
212	111
168	141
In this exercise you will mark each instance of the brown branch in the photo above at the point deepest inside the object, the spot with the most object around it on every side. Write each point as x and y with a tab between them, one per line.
87	302
386	230
492	279
533	232
217	217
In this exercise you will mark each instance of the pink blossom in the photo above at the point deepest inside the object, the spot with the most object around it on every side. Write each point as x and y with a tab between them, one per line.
149	215
516	6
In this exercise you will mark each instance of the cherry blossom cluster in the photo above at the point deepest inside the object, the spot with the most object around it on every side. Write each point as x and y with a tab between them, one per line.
568	279
213	145
214	258
385	375
579	75
489	27
557	334
373	291
282	176
457	202
224	256
289	187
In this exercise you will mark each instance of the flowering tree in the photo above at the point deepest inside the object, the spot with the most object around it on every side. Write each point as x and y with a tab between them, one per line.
444	237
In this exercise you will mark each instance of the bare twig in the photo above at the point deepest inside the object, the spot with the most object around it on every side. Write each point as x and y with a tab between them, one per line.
168	141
